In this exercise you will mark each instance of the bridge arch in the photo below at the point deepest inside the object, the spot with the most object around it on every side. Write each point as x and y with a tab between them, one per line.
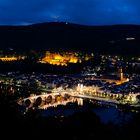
48	99
138	98
66	96
38	101
59	98
27	102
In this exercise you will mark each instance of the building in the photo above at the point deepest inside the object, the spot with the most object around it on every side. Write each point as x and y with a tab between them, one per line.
116	79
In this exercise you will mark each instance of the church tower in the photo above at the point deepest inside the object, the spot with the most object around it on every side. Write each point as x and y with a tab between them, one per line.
121	74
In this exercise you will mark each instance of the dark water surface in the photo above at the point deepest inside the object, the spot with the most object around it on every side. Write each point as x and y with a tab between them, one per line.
106	113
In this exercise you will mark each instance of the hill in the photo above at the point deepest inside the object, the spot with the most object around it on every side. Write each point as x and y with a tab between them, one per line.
116	39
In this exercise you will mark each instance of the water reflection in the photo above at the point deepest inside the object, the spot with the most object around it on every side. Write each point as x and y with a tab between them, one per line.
105	112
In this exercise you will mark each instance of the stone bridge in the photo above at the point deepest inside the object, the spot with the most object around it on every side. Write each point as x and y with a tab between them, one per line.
48	100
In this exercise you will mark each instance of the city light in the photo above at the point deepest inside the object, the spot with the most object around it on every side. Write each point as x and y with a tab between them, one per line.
13	58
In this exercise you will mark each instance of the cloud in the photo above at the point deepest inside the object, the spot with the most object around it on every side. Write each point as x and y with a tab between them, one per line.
93	12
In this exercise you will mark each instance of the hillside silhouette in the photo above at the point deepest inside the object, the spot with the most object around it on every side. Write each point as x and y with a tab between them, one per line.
67	36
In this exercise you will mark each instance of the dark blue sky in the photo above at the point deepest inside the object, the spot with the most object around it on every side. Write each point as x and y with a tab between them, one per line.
87	12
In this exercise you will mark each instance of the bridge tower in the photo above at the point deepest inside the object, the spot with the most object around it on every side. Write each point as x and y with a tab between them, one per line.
80	88
80	101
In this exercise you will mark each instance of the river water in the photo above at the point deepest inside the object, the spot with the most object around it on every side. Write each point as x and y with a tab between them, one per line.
106	113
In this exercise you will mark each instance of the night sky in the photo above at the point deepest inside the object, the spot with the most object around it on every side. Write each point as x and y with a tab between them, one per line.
87	12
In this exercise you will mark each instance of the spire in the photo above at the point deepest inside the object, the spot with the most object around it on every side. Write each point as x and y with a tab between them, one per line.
121	74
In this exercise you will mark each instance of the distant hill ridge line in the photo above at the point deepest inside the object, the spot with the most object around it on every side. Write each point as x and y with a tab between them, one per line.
62	35
71	24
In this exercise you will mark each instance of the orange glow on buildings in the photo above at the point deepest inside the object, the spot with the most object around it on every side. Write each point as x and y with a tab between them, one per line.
13	58
61	59
121	79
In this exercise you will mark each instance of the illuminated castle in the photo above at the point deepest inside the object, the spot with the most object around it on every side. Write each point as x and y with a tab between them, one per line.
59	59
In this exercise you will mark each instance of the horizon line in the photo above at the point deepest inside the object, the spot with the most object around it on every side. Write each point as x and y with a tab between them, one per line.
37	23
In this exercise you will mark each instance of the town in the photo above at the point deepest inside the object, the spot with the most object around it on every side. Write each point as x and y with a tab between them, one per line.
102	77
